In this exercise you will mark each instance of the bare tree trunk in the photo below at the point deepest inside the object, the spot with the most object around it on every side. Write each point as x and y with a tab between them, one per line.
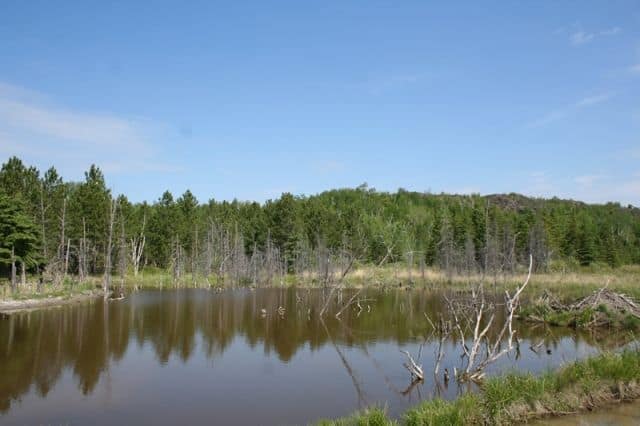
42	219
176	260
484	349
23	274
409	258
62	226
122	256
137	247
61	246
82	252
194	255
14	282
66	258
107	266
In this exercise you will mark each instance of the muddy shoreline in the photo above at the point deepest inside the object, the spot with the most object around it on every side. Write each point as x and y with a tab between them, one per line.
13	306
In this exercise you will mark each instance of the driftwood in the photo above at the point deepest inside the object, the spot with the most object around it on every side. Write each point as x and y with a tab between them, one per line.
603	308
414	369
550	300
613	301
479	348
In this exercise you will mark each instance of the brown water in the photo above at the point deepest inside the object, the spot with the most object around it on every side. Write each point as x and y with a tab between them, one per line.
197	356
627	414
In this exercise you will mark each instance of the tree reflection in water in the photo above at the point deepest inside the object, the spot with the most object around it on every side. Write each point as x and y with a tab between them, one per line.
36	348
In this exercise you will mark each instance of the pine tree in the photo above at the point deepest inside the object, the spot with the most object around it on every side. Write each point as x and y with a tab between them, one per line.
19	237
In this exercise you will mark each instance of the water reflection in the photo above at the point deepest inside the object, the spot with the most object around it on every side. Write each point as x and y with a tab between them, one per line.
240	345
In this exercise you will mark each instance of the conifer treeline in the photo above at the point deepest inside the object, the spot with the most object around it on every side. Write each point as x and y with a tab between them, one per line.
65	226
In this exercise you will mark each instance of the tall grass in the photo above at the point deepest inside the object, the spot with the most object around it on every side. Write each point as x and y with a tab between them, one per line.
370	417
31	290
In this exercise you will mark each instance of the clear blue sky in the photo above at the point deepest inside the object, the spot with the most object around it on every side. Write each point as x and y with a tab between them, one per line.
248	99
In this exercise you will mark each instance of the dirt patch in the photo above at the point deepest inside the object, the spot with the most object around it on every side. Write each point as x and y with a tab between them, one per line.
15	306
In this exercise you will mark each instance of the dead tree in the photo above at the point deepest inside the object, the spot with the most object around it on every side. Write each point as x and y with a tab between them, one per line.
323	262
194	255
43	223
409	258
23	273
209	252
484	350
137	243
446	247
14	282
67	256
469	255
538	246
122	254
107	262
83	252
177	260
351	259
443	329
61	247
412	366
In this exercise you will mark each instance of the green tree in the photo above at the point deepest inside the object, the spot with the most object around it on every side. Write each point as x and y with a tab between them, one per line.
89	207
19	237
162	229
285	225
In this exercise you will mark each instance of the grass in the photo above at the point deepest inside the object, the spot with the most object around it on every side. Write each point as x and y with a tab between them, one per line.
465	410
374	416
567	283
571	284
67	288
516	397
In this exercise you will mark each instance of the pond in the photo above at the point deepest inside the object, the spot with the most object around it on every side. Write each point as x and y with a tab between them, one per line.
237	357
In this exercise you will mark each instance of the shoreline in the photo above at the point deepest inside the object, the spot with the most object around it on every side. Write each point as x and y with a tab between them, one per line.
14	306
583	386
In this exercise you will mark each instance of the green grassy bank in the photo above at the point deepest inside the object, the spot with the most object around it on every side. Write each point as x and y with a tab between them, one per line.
516	398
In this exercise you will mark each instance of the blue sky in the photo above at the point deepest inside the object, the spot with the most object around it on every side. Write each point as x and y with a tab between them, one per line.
249	99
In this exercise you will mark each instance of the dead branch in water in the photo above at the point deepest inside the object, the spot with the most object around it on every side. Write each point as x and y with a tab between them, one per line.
338	284
413	367
483	349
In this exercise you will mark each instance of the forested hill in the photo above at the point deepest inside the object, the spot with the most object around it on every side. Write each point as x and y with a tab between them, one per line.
45	219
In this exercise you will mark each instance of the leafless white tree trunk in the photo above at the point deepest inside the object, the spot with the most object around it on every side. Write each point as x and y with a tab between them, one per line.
42	220
14	283
137	247
107	262
82	252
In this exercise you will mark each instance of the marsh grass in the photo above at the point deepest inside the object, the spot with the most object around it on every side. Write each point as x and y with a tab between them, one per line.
374	416
30	290
567	285
516	397
466	410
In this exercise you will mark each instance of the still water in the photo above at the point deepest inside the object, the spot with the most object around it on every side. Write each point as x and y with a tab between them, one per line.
236	357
